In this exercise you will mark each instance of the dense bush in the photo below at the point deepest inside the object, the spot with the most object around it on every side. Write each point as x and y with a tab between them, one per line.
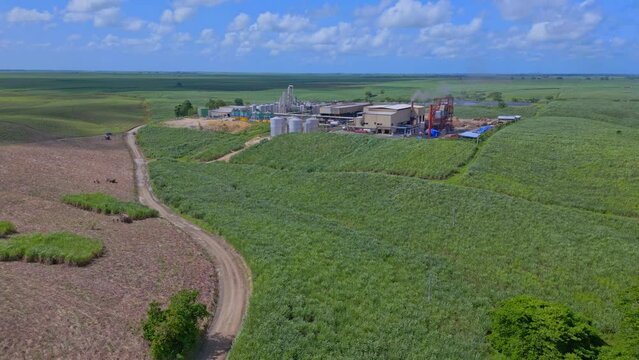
185	109
107	204
54	248
529	328
173	333
7	228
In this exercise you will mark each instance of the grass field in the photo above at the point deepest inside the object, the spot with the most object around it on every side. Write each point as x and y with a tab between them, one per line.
107	204
349	262
45	115
342	152
568	161
194	144
53	248
373	266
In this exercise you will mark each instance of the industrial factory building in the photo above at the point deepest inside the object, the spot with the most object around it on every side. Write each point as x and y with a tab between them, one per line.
386	119
343	109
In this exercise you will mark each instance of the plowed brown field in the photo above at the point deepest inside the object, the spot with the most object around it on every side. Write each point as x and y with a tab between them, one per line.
57	311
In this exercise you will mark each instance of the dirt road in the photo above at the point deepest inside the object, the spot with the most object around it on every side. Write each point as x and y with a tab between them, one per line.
227	158
233	273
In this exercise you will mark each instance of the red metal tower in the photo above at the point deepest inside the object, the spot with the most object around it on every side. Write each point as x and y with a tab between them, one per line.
440	114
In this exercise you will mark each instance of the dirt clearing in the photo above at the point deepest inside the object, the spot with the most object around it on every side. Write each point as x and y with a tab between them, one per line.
93	312
230	126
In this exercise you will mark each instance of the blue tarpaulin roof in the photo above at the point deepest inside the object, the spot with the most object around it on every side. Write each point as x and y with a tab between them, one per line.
476	133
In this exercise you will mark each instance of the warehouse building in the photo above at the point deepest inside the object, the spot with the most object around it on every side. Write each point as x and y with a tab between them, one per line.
388	119
343	109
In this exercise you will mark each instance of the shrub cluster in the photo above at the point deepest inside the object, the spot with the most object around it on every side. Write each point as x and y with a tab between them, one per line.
53	248
106	204
173	333
528	328
7	228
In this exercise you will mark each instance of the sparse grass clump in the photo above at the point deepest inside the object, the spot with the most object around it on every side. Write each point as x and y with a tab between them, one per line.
7	228
53	248
107	204
173	333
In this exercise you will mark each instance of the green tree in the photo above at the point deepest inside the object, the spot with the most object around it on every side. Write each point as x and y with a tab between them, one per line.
528	328
213	104
185	109
173	333
369	96
239	102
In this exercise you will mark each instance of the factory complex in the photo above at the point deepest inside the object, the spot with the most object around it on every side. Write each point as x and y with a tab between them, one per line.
289	114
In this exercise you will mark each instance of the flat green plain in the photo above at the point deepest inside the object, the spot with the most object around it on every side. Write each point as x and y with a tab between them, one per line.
360	255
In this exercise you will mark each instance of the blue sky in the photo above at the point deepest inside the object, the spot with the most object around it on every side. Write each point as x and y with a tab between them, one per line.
385	36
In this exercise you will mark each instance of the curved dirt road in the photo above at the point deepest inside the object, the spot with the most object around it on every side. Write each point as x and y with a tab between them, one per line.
233	273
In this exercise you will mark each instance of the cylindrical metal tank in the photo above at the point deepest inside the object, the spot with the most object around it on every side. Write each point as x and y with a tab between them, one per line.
278	126
295	125
311	125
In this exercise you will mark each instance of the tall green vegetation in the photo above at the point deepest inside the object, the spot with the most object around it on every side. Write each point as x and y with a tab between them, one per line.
107	204
185	109
53	248
340	152
568	161
173	332
627	346
362	265
528	328
162	142
215	104
7	228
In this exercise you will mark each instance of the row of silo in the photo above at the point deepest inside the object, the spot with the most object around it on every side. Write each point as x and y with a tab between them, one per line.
293	124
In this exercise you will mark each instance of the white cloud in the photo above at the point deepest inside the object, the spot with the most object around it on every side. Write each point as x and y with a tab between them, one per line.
415	14
287	23
148	44
240	22
18	14
106	17
326	10
177	15
450	40
368	11
207	36
519	9
91	6
182	37
564	29
101	12
181	10
133	24
450	32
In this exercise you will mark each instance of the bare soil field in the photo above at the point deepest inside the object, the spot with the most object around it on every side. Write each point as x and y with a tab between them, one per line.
231	126
58	311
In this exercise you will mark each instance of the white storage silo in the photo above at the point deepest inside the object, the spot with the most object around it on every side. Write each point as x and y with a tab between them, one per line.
311	125
278	126
295	125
